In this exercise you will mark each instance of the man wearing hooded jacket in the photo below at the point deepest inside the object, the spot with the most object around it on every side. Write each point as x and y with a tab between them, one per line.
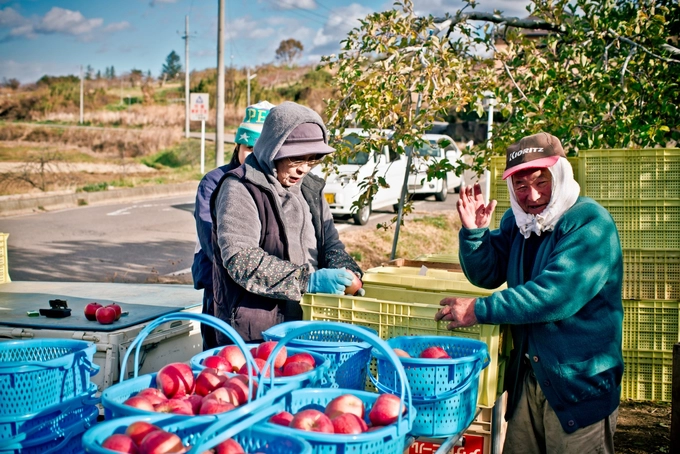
561	257
273	233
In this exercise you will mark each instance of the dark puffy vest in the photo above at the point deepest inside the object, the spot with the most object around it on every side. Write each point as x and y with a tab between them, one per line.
248	313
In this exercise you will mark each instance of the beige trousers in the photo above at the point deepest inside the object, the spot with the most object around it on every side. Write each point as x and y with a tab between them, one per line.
535	429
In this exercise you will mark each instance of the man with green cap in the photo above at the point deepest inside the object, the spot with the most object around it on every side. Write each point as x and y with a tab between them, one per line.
201	270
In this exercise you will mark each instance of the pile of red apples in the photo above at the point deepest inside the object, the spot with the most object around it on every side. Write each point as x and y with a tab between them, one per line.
344	414
430	353
142	437
220	387
105	315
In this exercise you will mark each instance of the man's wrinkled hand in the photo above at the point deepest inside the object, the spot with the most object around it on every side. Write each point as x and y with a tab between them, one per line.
458	311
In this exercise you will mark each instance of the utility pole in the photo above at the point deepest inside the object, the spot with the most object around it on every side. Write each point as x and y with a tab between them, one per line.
81	94
249	78
186	76
219	102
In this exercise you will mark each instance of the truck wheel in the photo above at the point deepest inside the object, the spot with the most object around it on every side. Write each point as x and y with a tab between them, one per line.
441	195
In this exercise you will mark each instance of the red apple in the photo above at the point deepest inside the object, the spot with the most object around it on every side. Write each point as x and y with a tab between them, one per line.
229	446
116	308
296	368
175	380
312	421
91	310
225	395
207	381
120	443
283	418
105	315
348	423
140	402
153	395
140	429
434	353
402	353
354	287
176	406
218	363
195	400
385	410
301	357
212	406
260	365
234	355
240	389
266	348
161	442
346	403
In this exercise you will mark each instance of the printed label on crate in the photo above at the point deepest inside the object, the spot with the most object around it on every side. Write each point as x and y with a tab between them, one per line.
473	445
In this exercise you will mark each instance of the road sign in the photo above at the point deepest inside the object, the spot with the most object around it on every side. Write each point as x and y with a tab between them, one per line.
199	106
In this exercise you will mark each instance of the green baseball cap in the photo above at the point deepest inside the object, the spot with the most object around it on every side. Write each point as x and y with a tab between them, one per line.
251	127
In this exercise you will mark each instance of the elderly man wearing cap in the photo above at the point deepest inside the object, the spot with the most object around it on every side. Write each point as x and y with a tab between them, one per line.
202	268
560	255
273	232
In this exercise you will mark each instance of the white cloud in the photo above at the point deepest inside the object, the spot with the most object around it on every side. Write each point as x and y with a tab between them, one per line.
438	8
246	27
339	22
60	20
294	4
116	26
27	72
10	18
56	21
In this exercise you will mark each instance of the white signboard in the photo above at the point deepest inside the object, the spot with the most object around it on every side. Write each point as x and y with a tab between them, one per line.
199	106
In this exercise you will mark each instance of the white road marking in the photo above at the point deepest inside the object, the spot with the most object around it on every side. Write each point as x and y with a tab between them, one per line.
180	272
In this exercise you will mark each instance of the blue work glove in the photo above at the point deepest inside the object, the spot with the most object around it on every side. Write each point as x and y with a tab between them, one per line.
330	280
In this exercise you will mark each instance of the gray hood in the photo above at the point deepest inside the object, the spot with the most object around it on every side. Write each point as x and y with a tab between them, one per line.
281	120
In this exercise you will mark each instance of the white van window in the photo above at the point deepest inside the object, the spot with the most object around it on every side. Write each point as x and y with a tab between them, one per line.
360	158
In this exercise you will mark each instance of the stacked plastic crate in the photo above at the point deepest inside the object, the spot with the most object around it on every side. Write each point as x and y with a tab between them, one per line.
46	395
641	190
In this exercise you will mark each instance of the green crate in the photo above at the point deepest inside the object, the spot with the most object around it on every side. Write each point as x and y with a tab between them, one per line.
647	375
630	174
646	224
433	280
650	274
391	319
650	325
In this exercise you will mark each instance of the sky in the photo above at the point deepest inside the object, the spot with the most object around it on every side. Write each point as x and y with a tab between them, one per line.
39	37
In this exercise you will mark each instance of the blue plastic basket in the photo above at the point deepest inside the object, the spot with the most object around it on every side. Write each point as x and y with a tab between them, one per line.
36	374
348	354
203	435
113	397
63	435
444	390
309	379
390	439
15	429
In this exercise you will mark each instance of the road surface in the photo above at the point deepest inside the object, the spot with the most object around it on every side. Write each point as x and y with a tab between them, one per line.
144	242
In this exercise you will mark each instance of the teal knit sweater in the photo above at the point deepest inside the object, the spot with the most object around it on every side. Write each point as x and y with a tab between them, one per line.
566	318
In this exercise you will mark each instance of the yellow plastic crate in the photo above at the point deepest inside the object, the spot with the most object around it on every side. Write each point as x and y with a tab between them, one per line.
4	264
650	325
650	274
433	280
647	375
647	224
630	174
441	258
391	319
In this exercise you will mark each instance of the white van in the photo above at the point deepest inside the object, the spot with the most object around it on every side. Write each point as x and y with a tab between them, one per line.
342	188
433	151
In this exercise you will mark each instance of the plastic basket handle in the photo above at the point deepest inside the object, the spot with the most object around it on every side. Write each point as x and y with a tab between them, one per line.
459	388
375	341
202	318
223	430
94	368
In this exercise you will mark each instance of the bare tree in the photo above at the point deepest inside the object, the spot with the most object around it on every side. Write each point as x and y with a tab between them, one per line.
289	50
